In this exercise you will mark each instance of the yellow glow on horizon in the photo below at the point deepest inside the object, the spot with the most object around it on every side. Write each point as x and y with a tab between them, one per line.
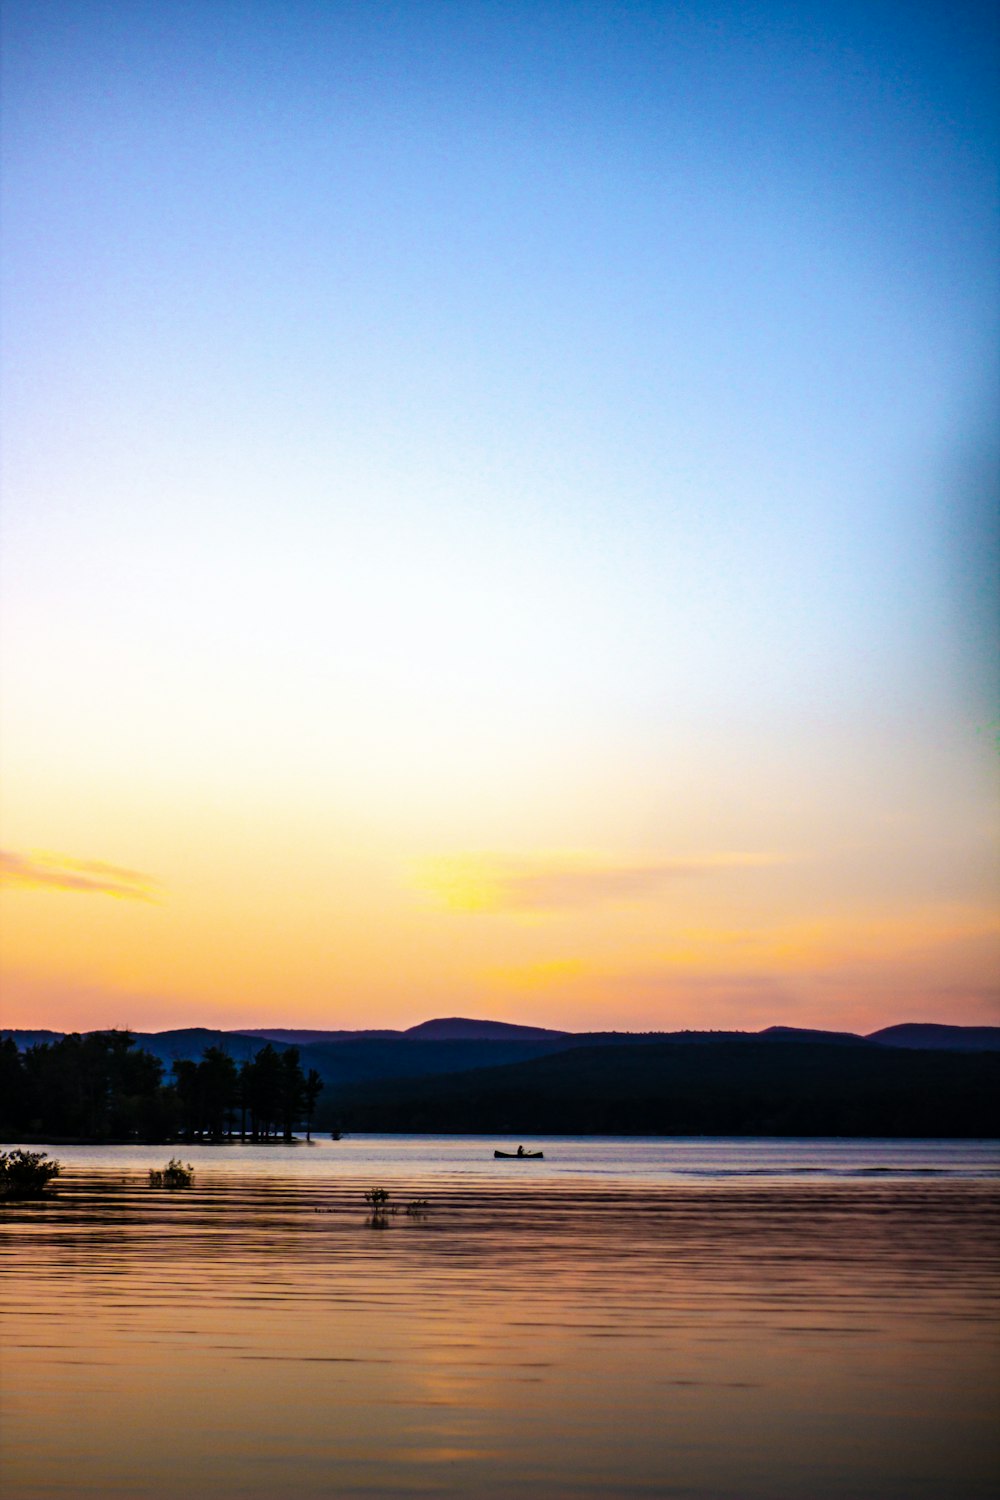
314	919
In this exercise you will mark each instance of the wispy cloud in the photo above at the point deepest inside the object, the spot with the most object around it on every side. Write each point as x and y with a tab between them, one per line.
551	883
58	872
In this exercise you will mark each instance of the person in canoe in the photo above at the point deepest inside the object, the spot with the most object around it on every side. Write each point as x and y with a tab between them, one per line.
520	1150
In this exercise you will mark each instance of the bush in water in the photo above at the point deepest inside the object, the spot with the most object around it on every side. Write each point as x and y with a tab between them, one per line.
25	1174
176	1174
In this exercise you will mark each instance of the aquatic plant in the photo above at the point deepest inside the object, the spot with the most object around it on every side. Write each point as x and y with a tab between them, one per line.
176	1174
25	1174
378	1201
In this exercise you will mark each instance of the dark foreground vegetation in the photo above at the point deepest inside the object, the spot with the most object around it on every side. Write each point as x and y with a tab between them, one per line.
753	1087
25	1174
176	1174
102	1087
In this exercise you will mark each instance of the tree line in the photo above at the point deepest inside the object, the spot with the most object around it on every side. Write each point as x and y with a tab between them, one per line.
101	1086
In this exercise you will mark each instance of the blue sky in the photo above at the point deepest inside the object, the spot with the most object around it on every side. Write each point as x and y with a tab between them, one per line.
523	431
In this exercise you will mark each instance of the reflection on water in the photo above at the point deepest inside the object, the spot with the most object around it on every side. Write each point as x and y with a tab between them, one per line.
570	1332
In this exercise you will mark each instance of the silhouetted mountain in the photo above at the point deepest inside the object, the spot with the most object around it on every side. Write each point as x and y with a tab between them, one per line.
785	1080
750	1087
454	1044
341	1063
309	1038
459	1029
446	1029
188	1043
23	1039
926	1035
806	1034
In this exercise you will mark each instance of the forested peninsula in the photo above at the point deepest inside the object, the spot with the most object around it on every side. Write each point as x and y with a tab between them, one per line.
102	1087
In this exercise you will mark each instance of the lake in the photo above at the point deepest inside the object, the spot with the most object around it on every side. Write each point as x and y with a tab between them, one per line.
705	1320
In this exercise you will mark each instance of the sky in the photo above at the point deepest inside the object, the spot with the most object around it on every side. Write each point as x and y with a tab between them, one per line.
499	513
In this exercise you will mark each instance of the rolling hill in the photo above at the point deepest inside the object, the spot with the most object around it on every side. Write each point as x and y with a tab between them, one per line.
749	1087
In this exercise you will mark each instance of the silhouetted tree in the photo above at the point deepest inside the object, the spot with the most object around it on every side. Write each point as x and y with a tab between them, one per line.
188	1094
102	1086
311	1091
292	1091
265	1082
243	1091
13	1088
218	1081
99	1085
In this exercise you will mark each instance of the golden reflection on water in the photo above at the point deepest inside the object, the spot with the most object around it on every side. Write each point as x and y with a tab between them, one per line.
261	1338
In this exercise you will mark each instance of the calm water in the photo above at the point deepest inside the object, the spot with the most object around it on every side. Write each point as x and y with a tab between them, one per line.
752	1320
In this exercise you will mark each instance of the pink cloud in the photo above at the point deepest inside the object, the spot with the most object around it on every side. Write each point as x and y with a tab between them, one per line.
60	873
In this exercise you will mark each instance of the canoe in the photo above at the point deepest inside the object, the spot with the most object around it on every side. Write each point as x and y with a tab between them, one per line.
524	1155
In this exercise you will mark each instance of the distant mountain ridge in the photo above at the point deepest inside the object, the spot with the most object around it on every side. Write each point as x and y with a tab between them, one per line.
460	1029
459	1074
928	1035
447	1029
291	1037
807	1034
191	1041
